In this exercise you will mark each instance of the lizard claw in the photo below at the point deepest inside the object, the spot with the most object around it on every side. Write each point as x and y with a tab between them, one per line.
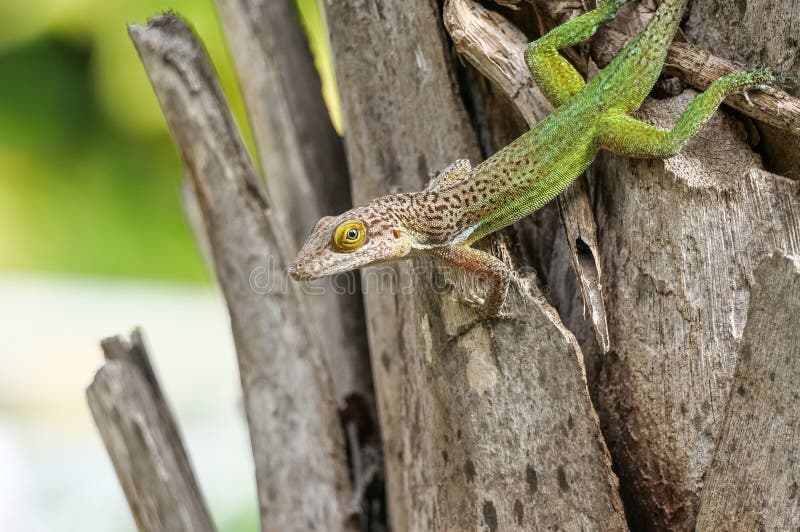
471	299
788	56
783	80
474	300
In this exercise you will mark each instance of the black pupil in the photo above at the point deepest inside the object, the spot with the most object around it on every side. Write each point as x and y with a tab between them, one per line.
352	234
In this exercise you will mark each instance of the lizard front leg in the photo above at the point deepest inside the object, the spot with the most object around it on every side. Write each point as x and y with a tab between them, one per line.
485	266
451	175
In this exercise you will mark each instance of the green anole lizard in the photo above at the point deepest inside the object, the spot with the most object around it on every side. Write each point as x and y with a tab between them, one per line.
464	204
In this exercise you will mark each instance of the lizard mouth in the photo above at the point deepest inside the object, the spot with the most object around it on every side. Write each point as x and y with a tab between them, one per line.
302	270
299	274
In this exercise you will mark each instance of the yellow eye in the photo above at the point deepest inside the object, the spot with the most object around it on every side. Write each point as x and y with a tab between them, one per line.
349	236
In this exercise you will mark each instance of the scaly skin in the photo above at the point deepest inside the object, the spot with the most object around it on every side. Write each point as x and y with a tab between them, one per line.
465	204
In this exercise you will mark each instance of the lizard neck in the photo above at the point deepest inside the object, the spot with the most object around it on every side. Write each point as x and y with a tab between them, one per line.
430	218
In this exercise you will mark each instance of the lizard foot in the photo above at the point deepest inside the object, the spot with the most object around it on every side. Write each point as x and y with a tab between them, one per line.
471	299
486	320
788	56
773	77
475	301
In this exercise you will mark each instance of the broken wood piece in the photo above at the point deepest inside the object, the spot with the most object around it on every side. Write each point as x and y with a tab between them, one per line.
304	163
754	475
453	391
143	441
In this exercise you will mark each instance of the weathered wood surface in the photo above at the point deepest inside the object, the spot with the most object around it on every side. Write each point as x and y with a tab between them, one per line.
485	425
682	237
754	477
679	399
143	441
301	153
298	445
677	302
304	161
756	32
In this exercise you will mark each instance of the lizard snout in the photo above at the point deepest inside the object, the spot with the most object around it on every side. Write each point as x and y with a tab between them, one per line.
304	268
297	272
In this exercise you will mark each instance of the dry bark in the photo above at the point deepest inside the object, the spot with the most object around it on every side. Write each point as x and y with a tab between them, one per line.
756	32
682	237
754	476
303	158
661	477
300	151
678	300
143	441
484	424
298	445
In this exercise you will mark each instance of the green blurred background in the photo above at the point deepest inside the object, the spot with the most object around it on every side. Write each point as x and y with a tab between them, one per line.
93	241
88	174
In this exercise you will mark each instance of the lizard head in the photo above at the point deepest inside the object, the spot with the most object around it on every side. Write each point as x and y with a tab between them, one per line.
359	237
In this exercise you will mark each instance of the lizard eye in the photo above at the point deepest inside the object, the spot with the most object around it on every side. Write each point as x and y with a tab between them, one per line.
349	236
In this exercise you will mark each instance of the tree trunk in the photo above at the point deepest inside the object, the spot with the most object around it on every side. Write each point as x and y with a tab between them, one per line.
491	427
676	283
683	238
299	147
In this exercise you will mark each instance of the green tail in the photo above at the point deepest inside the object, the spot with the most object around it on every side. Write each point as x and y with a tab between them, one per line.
626	81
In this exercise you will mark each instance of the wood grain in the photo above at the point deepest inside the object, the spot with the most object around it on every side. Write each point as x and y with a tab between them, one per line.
304	162
683	237
753	478
298	444
143	441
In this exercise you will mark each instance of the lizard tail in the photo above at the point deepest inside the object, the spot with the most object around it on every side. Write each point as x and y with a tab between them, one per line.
661	30
629	78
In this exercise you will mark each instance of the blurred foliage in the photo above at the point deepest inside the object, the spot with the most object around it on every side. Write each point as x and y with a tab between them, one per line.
247	519
89	179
